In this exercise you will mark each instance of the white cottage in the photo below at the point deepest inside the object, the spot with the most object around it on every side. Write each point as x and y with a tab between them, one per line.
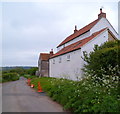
67	62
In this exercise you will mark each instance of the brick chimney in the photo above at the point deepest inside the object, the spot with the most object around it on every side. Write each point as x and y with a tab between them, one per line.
75	29
51	52
101	14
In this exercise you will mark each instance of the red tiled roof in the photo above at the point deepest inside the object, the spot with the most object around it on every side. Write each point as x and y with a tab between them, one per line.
44	56
77	45
79	32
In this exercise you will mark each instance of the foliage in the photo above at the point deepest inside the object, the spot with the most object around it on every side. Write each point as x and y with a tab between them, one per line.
31	71
29	76
18	70
86	95
10	77
104	60
13	73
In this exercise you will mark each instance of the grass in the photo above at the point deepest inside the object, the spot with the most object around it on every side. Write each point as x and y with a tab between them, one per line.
29	76
82	96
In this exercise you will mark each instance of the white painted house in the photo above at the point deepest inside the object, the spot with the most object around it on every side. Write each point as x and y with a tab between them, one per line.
67	62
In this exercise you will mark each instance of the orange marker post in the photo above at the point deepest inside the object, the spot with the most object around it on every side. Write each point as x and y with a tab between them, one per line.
39	87
29	81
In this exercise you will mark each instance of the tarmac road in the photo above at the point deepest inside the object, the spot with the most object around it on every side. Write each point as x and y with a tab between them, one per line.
18	97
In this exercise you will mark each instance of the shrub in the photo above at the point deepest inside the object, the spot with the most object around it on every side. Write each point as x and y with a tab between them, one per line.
31	71
103	60
17	70
82	96
98	91
9	77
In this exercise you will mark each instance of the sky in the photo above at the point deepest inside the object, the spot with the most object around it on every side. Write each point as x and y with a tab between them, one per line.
31	28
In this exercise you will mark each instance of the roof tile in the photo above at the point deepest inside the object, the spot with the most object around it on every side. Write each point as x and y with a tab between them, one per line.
79	32
44	56
77	45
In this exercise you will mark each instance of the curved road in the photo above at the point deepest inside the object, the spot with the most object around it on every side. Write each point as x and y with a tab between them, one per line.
18	97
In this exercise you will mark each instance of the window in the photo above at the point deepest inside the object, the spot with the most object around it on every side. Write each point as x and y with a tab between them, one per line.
60	60
68	57
53	61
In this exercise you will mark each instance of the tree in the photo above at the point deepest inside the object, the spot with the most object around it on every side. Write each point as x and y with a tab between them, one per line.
32	71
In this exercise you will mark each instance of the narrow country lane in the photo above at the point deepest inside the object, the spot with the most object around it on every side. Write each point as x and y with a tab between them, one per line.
18	97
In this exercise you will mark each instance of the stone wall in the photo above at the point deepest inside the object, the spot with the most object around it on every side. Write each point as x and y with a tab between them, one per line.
44	71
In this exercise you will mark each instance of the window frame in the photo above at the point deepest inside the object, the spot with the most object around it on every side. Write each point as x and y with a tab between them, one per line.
53	61
68	57
60	59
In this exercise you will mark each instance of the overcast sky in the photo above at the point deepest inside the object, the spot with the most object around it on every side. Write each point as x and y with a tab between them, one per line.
30	28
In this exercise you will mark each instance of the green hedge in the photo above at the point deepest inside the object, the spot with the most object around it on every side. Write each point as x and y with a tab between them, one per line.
104	60
9	77
83	96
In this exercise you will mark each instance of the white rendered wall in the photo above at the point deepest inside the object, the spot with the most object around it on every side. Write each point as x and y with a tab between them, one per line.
72	69
66	69
100	39
74	40
103	23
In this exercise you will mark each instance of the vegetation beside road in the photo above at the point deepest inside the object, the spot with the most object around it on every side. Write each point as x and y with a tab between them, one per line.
15	73
98	91
103	61
82	96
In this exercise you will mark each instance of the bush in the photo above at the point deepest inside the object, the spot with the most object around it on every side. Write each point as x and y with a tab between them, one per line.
31	71
98	91
82	96
9	77
18	70
103	60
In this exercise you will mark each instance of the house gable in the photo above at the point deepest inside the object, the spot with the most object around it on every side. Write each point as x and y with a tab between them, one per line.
77	45
44	56
88	30
43	64
102	23
78	33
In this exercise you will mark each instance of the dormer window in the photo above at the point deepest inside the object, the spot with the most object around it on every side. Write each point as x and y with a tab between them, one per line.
68	57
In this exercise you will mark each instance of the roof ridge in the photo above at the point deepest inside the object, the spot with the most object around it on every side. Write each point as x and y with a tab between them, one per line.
44	53
78	44
79	32
89	24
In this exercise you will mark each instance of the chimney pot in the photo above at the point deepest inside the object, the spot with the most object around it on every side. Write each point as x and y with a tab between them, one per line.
101	14
51	52
100	10
75	29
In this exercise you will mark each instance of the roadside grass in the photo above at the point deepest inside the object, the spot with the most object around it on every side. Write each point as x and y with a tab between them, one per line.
29	76
81	96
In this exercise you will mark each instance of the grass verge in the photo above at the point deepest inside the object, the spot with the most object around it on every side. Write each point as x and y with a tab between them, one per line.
82	96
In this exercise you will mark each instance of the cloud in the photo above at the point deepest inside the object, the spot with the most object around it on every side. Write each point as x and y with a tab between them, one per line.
33	27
